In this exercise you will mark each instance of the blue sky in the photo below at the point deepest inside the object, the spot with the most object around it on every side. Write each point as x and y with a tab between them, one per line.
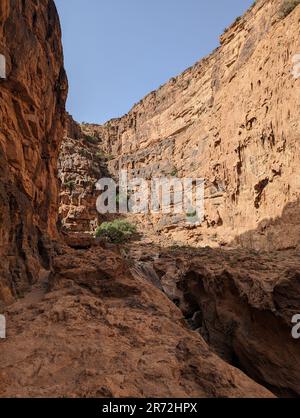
117	51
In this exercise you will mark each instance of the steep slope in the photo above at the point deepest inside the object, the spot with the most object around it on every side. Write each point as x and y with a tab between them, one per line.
32	100
233	120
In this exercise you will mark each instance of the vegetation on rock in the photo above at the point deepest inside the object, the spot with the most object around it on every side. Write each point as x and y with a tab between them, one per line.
70	185
117	231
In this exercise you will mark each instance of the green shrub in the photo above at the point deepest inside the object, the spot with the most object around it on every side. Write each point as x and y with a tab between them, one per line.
109	157
287	7
191	214
174	172
91	139
117	231
84	153
70	185
102	155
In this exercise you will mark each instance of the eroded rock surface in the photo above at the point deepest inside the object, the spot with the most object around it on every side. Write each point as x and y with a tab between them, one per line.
100	332
32	100
81	164
241	302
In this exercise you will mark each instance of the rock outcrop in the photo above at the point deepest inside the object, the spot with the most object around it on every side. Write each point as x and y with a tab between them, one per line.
81	164
233	120
240	301
97	331
32	102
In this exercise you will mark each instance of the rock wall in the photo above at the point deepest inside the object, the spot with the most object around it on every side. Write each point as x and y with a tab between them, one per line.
232	119
32	102
240	301
81	164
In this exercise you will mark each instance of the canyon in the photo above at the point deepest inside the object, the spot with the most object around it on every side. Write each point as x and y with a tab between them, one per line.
200	310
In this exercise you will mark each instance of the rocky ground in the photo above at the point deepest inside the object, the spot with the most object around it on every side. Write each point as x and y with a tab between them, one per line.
95	330
203	311
141	320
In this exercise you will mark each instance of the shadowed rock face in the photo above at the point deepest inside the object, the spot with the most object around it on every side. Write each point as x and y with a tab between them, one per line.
32	102
240	301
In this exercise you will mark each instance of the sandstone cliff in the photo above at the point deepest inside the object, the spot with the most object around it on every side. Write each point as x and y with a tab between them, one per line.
233	120
32	100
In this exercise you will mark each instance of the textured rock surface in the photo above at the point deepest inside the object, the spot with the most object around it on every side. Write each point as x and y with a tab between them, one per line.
240	301
97	323
232	119
32	99
100	332
80	165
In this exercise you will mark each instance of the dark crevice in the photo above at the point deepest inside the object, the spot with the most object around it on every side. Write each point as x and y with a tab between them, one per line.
200	311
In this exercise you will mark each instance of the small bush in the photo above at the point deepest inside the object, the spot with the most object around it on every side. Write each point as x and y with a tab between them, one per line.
109	157
191	214
102	155
84	153
70	185
174	172
287	7
91	139
117	231
99	154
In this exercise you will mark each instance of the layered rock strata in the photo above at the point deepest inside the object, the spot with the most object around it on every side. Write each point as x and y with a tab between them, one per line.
32	102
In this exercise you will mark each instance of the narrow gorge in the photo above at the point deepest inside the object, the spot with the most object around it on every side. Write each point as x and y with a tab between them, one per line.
181	310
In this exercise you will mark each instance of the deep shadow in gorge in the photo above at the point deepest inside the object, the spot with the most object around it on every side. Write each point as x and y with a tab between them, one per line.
239	333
